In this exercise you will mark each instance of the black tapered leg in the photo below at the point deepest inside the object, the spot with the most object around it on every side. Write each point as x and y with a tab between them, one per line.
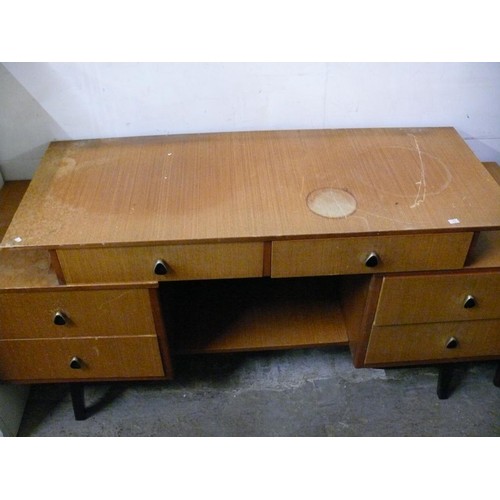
445	376
77	390
496	378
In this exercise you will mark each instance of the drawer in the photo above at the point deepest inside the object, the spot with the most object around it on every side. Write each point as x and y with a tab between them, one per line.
183	262
99	358
428	342
75	313
369	254
434	298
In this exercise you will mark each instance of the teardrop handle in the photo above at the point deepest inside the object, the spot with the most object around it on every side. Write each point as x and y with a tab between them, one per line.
75	363
372	260
60	319
451	343
161	267
470	301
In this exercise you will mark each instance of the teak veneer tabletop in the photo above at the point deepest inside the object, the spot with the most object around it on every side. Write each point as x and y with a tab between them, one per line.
254	185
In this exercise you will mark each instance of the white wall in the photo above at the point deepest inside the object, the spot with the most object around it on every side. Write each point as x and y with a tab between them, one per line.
40	102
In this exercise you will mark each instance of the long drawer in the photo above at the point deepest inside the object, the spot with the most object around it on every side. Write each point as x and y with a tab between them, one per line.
162	262
434	298
76	359
63	312
369	254
433	342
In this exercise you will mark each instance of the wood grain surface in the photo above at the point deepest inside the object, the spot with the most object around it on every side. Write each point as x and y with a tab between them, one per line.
102	358
315	257
252	185
485	252
438	297
197	261
427	342
90	313
26	268
11	195
21	268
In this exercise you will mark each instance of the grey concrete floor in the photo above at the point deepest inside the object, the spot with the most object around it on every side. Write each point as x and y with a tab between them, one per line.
309	392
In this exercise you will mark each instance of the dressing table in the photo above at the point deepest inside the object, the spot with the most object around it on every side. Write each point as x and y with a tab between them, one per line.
125	252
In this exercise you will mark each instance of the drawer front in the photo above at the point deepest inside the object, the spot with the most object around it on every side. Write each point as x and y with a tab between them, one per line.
426	299
99	358
428	342
183	262
75	313
367	254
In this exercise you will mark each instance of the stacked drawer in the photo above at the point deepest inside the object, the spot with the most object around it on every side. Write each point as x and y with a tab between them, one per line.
80	333
439	317
109	326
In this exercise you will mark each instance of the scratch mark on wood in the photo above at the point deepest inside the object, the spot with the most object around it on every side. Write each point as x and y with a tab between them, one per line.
397	221
422	188
106	304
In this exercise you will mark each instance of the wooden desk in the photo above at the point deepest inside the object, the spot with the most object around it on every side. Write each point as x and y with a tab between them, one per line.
123	251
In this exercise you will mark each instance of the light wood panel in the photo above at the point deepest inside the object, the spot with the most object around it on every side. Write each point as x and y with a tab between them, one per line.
426	342
494	169
214	187
239	315
185	262
485	251
93	313
102	358
21	268
434	298
10	197
347	255
359	299
162	334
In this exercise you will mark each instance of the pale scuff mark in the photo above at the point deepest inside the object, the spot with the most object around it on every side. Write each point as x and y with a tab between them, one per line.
105	304
373	214
422	187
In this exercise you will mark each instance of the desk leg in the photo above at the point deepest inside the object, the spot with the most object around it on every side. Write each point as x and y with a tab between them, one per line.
496	378
77	390
445	375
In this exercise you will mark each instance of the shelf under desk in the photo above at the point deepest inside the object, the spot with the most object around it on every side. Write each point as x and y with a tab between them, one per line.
252	314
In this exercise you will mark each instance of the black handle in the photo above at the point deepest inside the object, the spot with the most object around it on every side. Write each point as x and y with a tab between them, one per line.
75	363
469	302
451	343
60	319
372	260
161	267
